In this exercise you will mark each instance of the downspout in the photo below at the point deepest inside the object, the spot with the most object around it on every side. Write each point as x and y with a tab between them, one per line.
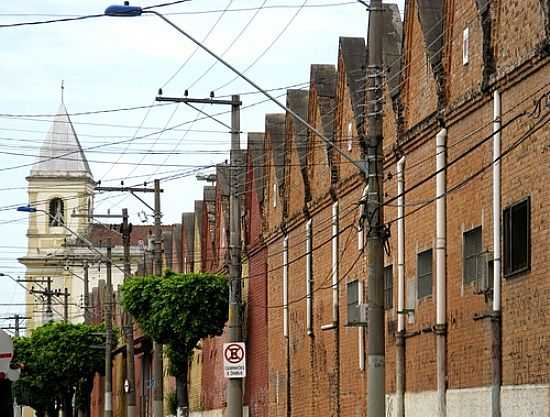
440	270
496	323
401	313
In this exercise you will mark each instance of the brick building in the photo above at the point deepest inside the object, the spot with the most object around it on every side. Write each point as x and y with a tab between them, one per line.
447	67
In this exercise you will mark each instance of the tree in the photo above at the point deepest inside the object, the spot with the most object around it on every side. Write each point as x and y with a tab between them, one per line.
58	360
178	310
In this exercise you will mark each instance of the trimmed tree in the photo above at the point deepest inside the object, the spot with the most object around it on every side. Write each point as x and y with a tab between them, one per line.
178	310
59	360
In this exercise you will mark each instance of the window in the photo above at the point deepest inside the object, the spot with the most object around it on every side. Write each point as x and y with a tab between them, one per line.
466	46
517	238
275	191
424	273
57	212
350	136
353	301
388	287
472	255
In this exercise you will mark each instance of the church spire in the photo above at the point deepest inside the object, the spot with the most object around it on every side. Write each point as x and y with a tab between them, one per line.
61	153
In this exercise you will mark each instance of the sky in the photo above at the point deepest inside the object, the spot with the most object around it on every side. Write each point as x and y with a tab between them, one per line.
111	63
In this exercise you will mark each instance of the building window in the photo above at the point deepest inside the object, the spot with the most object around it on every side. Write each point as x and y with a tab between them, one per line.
388	287
472	255
466	46
57	210
517	238
424	273
350	136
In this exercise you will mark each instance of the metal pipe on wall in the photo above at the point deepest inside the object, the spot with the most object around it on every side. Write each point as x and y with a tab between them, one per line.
401	313
496	323
441	270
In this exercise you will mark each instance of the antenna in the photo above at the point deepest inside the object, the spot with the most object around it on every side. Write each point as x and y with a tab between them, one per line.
62	91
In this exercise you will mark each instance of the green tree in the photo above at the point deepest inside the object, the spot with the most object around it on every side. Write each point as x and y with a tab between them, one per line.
178	310
59	360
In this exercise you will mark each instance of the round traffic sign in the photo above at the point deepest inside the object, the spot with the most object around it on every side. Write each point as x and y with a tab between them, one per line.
234	353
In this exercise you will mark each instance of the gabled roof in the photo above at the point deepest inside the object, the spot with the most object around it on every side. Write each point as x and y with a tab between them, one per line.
61	153
354	54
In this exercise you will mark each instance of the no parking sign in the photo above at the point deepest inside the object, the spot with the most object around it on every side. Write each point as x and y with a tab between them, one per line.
234	360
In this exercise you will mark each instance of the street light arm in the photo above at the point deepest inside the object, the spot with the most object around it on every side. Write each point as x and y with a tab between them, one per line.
357	164
2	274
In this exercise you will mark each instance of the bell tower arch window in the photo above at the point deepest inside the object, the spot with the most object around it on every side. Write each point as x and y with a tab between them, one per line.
57	212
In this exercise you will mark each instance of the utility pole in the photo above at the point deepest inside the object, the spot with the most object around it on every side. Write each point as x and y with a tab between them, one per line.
235	386
86	293
48	293
108	403
235	389
126	230
158	394
66	305
158	365
376	235
17	323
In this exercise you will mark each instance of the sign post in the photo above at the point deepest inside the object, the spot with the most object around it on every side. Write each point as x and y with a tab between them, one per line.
234	360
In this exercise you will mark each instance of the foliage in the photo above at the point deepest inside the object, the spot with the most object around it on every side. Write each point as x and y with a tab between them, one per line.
178	309
56	357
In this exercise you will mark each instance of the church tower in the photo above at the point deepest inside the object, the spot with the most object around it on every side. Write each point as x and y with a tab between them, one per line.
60	184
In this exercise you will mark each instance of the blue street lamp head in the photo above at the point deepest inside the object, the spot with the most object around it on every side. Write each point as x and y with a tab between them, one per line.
27	209
123	11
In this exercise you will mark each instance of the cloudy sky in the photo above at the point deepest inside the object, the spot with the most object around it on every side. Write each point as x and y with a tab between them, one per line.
115	63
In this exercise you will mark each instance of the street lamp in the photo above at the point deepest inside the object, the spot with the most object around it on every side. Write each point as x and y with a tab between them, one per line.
132	11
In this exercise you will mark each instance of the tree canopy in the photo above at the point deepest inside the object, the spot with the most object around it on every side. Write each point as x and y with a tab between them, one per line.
57	357
178	310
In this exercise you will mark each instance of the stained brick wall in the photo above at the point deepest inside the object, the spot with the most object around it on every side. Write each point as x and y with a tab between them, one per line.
320	374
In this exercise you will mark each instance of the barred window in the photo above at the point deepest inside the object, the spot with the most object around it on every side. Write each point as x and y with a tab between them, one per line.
424	273
472	240
517	238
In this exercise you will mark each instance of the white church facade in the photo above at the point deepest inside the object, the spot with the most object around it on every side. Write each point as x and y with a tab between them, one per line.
61	187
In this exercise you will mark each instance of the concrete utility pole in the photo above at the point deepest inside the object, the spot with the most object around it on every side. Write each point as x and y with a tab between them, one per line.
158	365
126	230
66	305
108	400
376	235
86	293
158	394
235	386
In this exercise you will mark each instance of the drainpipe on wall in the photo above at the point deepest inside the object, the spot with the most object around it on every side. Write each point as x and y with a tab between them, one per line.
441	270
401	313
496	323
